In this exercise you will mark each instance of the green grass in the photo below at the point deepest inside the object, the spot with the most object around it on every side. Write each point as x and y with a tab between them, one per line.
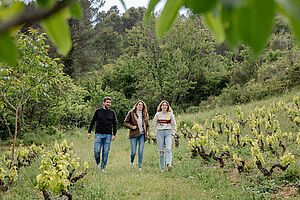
190	178
246	108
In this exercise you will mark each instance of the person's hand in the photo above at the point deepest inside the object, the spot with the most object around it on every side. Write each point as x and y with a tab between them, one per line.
89	135
134	127
113	137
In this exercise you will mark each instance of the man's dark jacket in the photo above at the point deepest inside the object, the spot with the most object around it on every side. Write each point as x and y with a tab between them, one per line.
106	121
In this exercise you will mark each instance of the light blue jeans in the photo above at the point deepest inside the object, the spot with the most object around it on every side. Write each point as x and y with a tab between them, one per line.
102	141
164	137
133	144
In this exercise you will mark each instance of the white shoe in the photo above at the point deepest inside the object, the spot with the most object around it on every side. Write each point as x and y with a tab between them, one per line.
140	169
132	165
170	167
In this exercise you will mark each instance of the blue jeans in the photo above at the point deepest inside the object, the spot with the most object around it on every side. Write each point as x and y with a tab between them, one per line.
133	144
102	141
164	137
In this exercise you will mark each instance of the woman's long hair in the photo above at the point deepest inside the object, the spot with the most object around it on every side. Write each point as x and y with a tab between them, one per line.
169	109
144	110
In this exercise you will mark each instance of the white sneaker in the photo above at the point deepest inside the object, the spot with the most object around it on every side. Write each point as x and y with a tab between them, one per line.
103	171
170	167
132	165
98	167
140	169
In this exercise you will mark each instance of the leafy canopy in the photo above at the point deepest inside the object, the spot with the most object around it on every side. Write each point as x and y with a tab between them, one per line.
233	21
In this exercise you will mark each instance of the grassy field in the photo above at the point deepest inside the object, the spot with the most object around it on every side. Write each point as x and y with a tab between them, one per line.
190	178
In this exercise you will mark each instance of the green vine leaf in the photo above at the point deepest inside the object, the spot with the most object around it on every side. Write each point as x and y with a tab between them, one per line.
291	8
151	6
214	21
8	49
46	3
255	20
200	6
229	21
58	31
76	11
167	17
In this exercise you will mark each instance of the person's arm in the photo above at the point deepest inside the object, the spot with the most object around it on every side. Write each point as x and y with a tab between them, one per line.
173	124
154	124
115	124
92	124
147	127
146	131
128	120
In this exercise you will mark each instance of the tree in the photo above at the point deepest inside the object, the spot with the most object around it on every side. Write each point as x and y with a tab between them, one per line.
82	56
132	16
30	78
185	69
108	45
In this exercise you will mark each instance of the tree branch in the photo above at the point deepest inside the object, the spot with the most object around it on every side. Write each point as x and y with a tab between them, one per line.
31	15
7	101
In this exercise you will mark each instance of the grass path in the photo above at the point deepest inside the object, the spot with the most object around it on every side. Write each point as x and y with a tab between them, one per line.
122	182
190	178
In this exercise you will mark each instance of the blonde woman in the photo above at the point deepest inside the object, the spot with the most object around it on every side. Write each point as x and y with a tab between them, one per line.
137	121
164	127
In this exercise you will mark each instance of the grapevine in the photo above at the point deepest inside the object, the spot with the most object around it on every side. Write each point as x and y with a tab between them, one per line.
58	166
9	170
263	141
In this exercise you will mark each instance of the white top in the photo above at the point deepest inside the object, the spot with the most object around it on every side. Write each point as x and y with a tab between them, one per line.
140	120
164	121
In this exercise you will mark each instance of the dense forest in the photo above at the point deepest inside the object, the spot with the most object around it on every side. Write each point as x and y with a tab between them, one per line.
117	54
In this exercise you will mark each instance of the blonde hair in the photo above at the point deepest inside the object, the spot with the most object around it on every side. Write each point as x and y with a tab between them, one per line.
169	109
144	110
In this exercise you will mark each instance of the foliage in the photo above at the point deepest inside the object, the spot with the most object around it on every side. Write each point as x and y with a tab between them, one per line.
32	76
53	16
274	72
31	79
190	178
83	56
269	145
248	21
95	93
24	158
186	64
58	166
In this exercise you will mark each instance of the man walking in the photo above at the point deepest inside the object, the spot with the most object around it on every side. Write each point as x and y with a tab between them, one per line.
105	132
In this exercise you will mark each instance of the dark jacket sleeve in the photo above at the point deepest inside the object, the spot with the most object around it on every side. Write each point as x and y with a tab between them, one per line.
147	126
147	130
128	121
115	124
92	122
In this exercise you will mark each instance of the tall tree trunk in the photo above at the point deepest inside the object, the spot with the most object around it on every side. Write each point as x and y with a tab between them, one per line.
22	120
15	138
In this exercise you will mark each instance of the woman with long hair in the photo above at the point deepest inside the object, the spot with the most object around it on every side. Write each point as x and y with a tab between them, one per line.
164	127
137	121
